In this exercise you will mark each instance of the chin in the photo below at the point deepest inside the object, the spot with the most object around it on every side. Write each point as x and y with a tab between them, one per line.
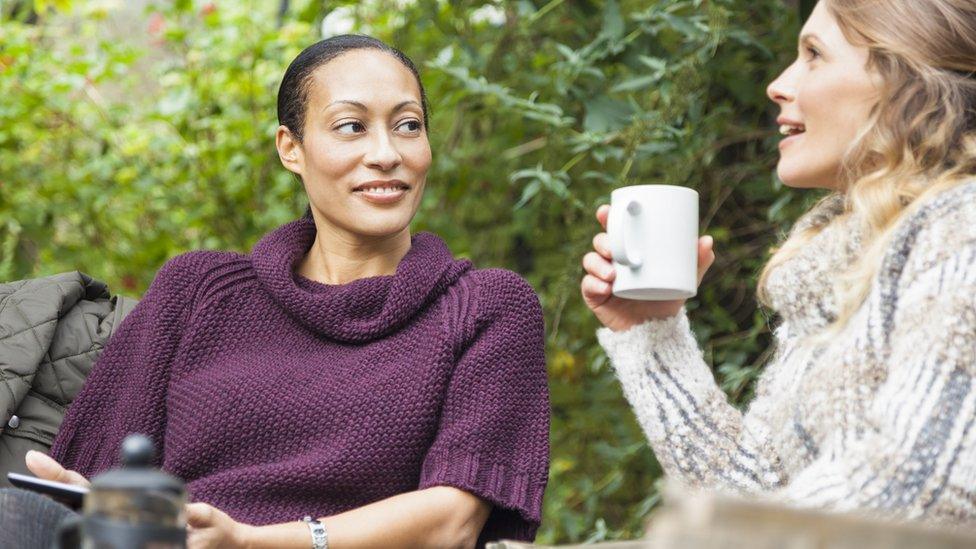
803	178
380	228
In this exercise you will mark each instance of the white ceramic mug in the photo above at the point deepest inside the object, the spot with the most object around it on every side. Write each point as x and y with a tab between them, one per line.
653	233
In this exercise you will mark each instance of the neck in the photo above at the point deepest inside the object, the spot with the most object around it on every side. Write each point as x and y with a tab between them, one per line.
341	257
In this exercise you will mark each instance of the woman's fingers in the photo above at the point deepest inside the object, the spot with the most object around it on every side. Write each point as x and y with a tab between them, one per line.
41	465
598	266
199	515
706	255
595	291
47	468
597	285
601	215
601	243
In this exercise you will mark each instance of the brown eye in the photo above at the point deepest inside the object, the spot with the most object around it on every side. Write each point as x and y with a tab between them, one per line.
350	128
410	126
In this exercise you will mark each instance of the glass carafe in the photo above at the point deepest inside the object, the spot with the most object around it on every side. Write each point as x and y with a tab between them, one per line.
135	507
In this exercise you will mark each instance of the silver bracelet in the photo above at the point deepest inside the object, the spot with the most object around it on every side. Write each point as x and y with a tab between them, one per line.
320	538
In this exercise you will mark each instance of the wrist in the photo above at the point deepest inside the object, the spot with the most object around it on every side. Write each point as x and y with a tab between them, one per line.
665	313
294	534
320	537
243	536
661	313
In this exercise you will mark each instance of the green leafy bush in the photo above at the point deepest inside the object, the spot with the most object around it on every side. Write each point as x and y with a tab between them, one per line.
118	152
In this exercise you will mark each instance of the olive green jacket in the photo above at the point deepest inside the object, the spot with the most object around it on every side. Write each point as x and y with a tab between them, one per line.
51	331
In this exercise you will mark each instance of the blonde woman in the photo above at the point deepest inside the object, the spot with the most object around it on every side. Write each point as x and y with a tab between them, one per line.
870	400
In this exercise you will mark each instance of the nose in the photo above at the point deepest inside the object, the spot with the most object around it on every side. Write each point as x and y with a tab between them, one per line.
783	89
382	154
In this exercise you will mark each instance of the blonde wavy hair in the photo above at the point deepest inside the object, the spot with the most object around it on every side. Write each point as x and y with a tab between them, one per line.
920	138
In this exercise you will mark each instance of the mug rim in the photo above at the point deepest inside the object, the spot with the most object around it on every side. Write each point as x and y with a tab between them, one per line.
651	186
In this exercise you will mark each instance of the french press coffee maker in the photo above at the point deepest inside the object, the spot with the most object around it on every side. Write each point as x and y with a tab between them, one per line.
135	507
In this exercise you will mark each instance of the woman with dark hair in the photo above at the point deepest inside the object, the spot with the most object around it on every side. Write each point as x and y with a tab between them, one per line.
344	369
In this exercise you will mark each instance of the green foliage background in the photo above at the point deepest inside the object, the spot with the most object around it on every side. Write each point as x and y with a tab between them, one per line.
111	169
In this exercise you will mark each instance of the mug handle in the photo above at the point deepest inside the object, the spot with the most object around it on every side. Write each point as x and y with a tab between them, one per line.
617	228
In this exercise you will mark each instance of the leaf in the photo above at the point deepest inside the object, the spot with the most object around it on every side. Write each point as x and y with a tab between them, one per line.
613	21
773	214
689	27
604	114
528	193
657	64
174	102
656	147
638	83
445	56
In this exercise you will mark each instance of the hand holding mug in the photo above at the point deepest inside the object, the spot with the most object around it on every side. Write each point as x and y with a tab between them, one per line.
618	313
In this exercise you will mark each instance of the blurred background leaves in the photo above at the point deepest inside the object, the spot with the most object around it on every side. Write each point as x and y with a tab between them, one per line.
133	131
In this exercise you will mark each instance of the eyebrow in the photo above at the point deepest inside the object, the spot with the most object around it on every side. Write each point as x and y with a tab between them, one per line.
363	107
810	37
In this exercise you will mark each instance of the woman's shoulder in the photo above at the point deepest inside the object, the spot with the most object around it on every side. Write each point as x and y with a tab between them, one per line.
499	295
937	231
191	271
948	217
498	287
198	262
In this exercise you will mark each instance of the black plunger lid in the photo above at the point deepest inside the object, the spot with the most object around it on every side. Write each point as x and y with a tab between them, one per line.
137	472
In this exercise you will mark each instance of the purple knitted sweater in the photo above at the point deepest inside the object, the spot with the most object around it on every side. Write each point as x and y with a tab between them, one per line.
276	397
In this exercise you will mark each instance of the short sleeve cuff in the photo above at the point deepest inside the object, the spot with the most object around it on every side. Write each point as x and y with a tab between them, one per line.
505	488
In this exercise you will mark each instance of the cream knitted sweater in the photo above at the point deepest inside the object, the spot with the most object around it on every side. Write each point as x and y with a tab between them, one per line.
878	418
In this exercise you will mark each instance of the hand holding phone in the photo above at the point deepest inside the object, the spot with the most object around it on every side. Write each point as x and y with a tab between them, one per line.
45	467
68	494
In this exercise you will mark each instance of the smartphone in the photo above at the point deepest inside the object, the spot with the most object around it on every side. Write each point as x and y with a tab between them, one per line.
68	494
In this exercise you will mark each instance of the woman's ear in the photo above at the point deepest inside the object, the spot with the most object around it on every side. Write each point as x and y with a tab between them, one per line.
289	150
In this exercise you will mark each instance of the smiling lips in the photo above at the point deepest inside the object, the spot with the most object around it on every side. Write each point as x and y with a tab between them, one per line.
790	129
382	192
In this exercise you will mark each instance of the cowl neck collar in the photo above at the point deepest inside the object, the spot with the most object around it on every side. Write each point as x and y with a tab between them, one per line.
802	290
362	310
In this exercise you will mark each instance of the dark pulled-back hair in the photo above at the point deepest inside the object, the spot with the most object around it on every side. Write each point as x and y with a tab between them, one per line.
294	90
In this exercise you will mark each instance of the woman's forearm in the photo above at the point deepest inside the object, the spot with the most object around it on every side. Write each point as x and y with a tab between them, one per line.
697	436
436	517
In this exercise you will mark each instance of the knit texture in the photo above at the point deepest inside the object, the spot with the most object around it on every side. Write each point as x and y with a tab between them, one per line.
276	397
878	418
